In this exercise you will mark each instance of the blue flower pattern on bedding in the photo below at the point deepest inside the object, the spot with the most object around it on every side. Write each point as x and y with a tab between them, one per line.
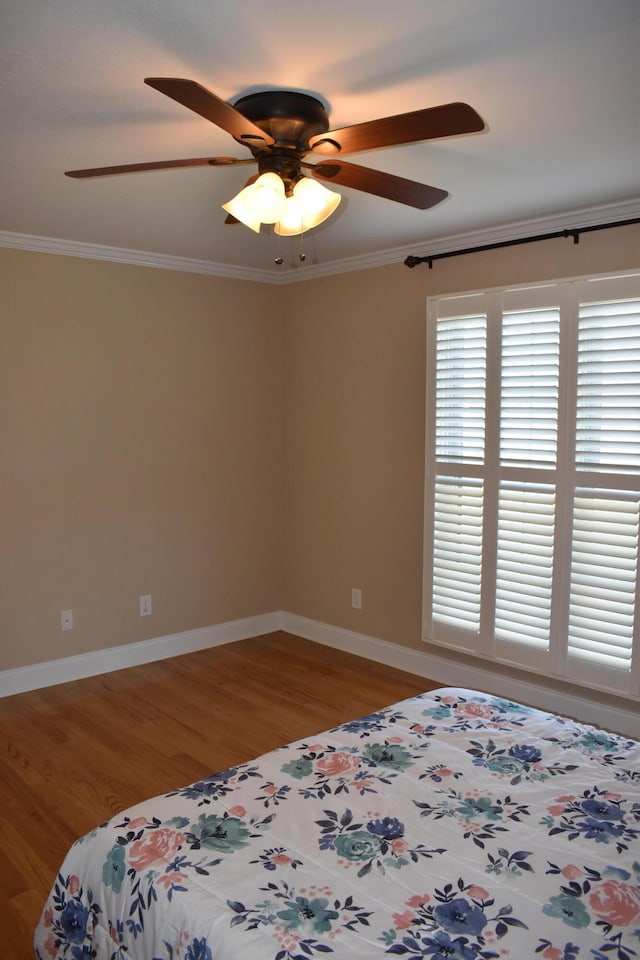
452	825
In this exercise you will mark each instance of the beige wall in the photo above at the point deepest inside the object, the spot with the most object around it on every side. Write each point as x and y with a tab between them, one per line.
230	447
354	409
141	452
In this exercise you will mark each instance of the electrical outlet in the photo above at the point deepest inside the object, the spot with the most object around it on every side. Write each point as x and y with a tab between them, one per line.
145	605
66	619
356	598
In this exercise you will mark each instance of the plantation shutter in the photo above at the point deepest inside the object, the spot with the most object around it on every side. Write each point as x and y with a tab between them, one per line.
460	346
606	522
529	384
532	479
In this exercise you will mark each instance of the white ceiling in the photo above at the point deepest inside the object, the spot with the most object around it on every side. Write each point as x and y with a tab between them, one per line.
556	81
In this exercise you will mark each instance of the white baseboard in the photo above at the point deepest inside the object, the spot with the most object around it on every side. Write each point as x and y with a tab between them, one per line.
455	674
421	663
64	669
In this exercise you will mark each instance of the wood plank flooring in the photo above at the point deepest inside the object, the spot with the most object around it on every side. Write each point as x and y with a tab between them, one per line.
73	755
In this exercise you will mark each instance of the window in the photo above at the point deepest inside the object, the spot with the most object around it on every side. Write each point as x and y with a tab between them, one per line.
532	483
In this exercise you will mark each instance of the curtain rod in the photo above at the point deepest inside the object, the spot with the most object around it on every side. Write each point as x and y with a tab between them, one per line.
574	233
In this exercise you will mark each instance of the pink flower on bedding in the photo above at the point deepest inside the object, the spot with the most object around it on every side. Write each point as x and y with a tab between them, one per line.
571	872
335	764
50	945
418	900
155	847
137	823
558	807
238	811
280	859
74	885
361	785
399	845
402	921
616	902
167	879
478	893
552	953
475	709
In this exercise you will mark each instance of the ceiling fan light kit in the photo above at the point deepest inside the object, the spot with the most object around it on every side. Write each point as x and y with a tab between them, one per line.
307	204
280	127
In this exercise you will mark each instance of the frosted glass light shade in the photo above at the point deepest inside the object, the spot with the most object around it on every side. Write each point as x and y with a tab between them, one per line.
267	197
310	205
240	208
261	202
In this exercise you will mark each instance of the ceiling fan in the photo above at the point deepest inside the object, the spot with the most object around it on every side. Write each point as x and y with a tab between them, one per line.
282	127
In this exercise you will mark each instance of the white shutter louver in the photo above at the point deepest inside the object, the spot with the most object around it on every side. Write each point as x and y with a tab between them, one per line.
526	517
608	408
529	386
457	552
460	389
603	577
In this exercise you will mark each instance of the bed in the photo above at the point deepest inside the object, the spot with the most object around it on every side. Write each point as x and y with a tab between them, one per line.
454	824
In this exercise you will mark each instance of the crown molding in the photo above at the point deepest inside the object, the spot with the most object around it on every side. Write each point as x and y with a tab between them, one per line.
571	219
139	258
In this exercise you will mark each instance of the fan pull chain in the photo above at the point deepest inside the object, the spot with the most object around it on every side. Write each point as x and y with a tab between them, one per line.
279	259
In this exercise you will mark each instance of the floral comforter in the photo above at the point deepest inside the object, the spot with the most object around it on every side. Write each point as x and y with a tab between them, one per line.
452	825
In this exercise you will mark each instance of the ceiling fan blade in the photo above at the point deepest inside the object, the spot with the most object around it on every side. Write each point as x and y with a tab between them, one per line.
447	120
155	165
381	184
197	98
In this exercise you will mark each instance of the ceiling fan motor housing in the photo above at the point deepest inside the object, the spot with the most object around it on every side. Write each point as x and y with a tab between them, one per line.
290	118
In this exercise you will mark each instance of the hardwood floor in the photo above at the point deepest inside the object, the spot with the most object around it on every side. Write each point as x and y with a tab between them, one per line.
74	754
